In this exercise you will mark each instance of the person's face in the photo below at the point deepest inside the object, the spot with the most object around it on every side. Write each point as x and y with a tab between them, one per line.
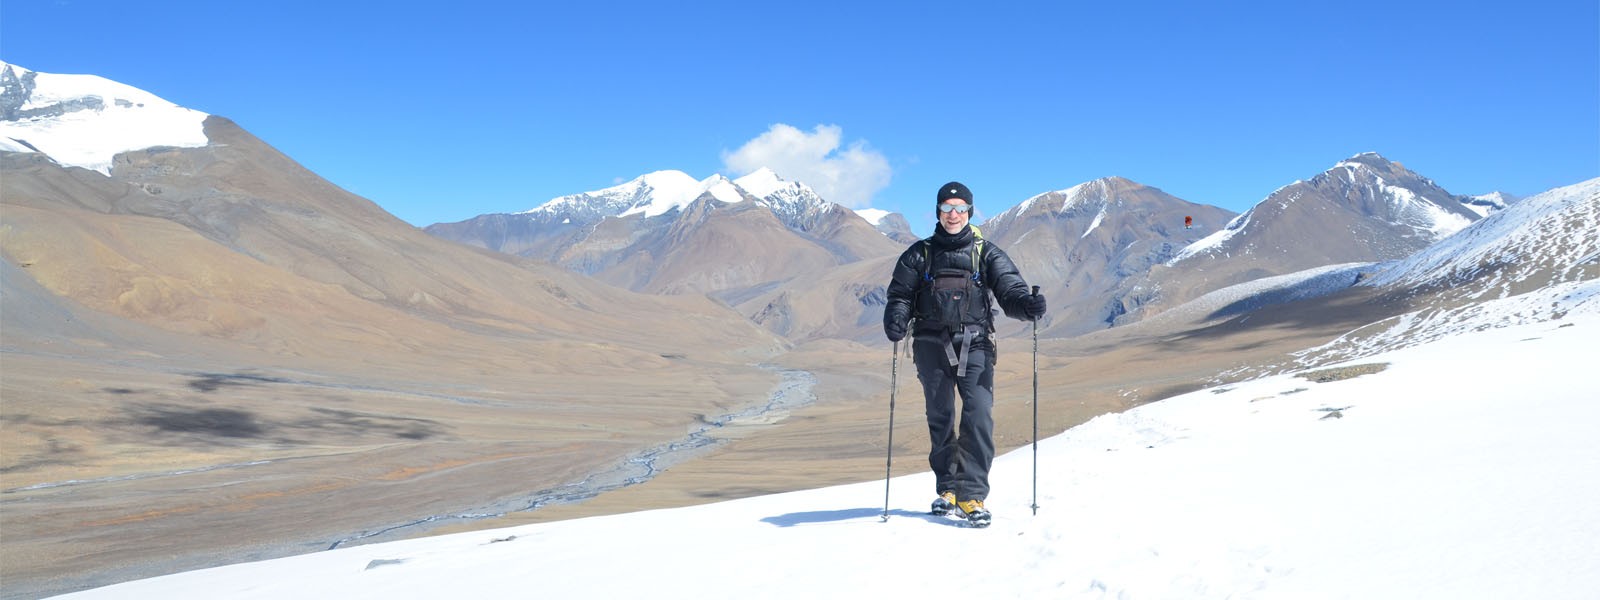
953	215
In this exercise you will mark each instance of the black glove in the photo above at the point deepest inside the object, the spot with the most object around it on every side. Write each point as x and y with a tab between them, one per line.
895	329
1033	306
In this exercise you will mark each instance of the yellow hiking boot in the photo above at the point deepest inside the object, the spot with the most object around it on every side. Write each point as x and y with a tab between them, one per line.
977	515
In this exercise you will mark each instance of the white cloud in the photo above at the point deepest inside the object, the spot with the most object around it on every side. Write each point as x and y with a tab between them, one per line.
850	176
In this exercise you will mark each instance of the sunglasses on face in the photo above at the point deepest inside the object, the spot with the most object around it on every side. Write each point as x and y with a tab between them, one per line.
960	208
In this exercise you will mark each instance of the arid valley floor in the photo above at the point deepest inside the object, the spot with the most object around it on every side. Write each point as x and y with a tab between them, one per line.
210	462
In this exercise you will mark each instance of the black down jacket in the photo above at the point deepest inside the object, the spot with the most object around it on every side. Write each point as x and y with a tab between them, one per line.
946	251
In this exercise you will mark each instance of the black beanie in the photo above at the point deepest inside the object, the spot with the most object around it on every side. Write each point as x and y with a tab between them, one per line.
954	189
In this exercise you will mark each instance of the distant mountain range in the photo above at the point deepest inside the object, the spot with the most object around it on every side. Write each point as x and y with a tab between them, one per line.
1107	252
665	232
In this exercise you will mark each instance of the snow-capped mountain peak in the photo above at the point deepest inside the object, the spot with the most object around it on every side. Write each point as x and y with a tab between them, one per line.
795	203
1365	191
666	191
761	183
85	120
1365	159
722	189
651	194
873	215
1404	196
661	192
1102	190
670	192
775	191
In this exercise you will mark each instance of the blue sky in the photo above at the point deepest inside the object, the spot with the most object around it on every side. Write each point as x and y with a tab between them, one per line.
442	111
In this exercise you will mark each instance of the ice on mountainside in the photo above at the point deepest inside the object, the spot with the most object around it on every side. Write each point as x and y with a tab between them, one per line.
85	121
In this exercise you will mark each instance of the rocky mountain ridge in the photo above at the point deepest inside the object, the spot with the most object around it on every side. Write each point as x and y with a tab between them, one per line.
1084	245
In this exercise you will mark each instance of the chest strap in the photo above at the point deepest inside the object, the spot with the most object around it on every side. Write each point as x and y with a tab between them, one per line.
960	363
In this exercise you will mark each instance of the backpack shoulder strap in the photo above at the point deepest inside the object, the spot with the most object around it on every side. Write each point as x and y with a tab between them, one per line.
977	254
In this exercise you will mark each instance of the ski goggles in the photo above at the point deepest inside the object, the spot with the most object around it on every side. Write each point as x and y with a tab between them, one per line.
960	208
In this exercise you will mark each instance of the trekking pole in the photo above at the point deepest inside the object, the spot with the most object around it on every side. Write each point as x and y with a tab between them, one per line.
1035	410
894	380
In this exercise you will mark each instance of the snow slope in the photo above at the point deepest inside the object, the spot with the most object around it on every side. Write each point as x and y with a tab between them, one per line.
84	120
1463	470
1239	298
1554	235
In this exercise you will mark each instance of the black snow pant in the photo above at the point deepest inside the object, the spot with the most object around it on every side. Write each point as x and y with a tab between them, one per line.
962	453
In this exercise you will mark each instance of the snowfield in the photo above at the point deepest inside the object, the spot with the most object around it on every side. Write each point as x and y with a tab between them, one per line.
85	120
1243	297
1463	468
